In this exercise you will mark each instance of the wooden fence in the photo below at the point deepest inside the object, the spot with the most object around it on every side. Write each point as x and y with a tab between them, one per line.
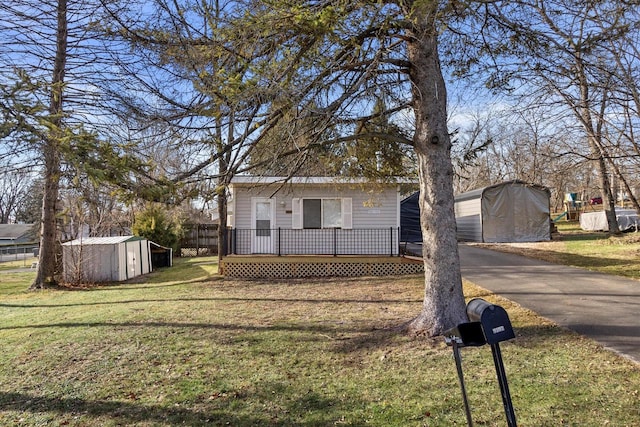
199	240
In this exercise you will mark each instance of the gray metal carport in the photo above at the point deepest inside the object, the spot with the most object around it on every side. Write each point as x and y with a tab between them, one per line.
511	211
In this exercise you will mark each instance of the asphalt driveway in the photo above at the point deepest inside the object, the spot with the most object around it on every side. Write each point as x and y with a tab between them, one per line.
602	307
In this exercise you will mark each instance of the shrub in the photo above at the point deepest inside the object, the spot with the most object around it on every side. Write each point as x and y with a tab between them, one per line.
155	224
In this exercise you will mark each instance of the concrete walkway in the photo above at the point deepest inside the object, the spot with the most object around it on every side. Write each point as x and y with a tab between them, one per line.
602	307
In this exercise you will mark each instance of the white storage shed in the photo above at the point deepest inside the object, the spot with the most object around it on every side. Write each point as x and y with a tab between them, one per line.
105	259
512	211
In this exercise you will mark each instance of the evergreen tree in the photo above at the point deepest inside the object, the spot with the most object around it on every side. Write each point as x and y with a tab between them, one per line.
155	224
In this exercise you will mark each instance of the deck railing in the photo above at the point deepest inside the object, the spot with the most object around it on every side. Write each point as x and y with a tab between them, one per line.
326	241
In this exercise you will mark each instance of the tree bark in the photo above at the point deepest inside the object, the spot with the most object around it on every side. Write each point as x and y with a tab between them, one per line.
443	305
608	199
594	138
221	198
50	259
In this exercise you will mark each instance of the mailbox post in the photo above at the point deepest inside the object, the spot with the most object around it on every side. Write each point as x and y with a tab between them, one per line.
463	335
489	324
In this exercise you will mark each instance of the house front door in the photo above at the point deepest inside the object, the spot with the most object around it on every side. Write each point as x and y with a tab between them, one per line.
263	219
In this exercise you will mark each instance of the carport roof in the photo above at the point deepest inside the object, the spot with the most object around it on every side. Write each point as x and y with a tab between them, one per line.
102	240
477	193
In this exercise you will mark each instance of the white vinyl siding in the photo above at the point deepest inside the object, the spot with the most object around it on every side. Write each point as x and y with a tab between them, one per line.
382	213
296	215
362	209
347	215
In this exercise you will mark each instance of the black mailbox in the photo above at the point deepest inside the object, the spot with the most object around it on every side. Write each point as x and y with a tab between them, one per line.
466	335
493	318
489	324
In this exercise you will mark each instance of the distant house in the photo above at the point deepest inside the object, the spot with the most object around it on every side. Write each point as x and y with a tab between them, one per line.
313	216
512	211
111	259
17	233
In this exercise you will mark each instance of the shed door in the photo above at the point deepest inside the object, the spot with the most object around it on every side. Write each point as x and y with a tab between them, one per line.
263	225
133	259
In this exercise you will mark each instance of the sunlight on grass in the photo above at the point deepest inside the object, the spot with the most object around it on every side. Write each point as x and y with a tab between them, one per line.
17	264
568	227
185	269
183	350
15	283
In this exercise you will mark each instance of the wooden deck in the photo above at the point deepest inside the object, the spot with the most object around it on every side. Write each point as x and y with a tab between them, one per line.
280	267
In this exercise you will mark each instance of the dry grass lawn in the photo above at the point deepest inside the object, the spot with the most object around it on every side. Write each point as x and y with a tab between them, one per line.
183	347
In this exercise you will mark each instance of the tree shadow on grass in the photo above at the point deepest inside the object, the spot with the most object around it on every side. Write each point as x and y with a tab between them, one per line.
526	337
384	337
122	412
535	333
130	413
220	299
324	329
300	405
581	236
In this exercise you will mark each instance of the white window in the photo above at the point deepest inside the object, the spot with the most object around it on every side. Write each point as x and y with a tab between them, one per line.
331	213
321	213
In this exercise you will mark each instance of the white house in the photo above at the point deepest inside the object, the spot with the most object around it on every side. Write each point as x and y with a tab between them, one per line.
313	215
106	259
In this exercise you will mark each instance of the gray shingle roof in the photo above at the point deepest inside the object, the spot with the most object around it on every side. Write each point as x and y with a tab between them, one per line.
14	231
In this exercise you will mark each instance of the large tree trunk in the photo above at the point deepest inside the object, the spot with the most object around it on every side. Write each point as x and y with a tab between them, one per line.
584	110
223	234
49	256
598	154
49	262
221	197
443	305
608	199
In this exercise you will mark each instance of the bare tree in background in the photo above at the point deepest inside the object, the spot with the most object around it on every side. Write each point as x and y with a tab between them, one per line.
559	52
15	186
